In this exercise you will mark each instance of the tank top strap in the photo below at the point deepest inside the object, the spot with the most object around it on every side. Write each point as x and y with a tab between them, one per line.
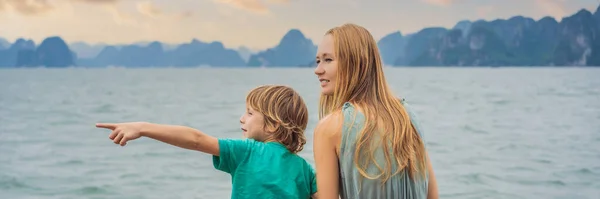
353	121
413	117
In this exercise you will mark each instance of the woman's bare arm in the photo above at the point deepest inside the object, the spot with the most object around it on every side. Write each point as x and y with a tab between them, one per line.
326	159
432	192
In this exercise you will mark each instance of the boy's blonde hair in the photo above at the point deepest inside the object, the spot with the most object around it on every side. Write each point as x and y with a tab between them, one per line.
284	110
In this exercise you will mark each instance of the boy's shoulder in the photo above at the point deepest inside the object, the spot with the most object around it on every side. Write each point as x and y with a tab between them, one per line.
239	141
259	149
306	165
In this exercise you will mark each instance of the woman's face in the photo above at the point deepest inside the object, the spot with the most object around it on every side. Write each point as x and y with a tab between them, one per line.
327	65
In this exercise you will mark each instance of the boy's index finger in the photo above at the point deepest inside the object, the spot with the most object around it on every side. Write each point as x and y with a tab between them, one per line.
110	126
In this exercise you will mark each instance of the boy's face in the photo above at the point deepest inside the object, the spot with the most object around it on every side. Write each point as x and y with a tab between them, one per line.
253	124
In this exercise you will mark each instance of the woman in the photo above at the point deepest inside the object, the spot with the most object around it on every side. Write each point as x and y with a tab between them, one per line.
366	145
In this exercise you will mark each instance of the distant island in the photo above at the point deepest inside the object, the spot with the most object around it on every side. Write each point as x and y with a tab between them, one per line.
518	41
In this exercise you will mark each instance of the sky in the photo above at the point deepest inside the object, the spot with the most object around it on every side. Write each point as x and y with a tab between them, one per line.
256	24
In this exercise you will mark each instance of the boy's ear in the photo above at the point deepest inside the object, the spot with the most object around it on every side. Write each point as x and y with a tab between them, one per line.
271	128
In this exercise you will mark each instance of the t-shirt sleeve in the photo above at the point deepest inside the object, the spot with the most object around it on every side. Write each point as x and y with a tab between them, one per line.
313	180
231	153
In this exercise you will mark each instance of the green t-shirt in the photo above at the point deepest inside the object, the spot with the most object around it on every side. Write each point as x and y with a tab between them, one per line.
264	170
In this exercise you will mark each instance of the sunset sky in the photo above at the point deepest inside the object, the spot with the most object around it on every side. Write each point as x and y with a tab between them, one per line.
253	23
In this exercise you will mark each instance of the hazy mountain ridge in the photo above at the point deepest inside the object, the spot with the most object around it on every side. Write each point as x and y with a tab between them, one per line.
517	41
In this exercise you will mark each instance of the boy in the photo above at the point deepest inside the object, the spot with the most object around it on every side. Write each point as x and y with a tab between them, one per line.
266	164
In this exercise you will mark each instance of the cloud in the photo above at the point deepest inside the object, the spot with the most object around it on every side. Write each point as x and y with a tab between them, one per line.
38	7
278	1
440	2
186	14
484	11
120	17
253	6
26	7
98	1
114	7
554	8
149	9
226	11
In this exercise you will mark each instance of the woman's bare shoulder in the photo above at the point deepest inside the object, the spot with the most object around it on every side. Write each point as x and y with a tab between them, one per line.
330	125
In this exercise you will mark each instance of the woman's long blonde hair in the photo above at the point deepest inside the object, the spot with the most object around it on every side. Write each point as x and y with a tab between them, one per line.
360	80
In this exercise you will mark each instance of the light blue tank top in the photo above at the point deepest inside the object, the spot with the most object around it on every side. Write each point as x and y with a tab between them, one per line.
353	185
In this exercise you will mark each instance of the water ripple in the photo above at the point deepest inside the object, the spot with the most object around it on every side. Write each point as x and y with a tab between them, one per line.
491	133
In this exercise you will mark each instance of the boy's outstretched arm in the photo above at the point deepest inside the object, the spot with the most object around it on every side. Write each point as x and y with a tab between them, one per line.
181	136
